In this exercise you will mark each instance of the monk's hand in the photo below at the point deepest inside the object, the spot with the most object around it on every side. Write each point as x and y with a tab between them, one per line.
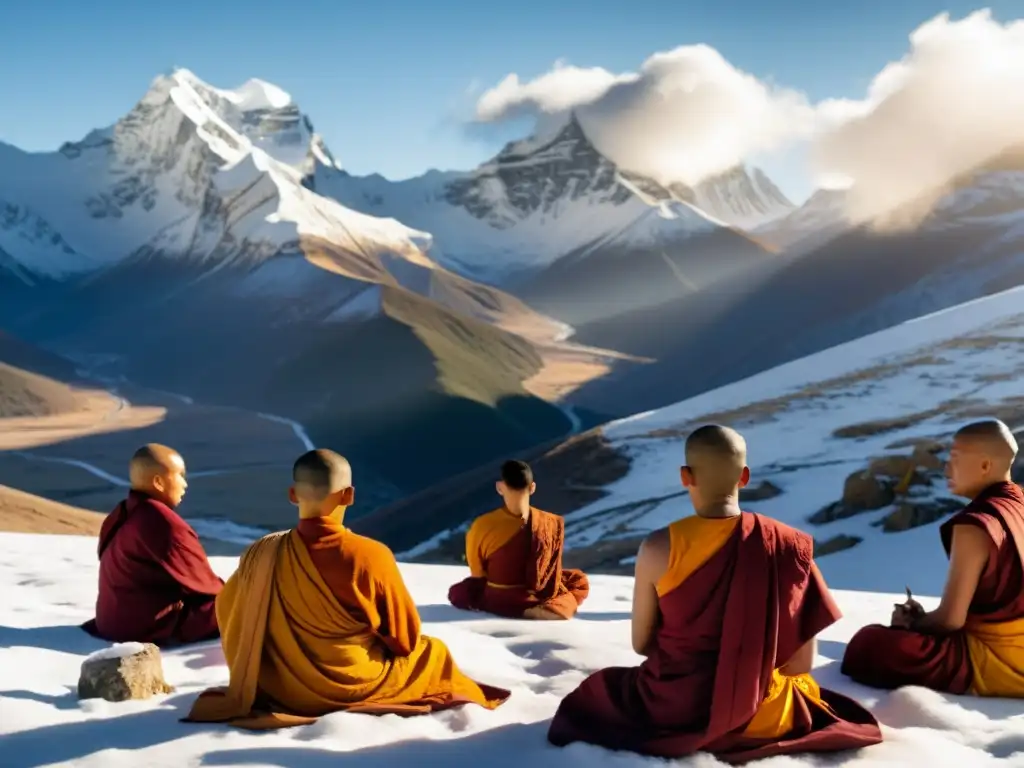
906	613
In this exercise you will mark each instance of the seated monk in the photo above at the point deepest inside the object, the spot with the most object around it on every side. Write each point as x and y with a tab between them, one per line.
726	607
156	585
974	641
515	558
318	620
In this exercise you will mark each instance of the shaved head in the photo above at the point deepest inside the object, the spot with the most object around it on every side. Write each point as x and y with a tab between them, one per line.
152	459
159	471
982	454
319	473
993	437
716	457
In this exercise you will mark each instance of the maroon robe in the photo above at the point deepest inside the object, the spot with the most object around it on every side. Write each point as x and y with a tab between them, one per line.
890	657
526	572
156	584
723	631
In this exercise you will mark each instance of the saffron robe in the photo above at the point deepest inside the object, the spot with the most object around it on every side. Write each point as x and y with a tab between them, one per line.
739	598
318	620
155	584
986	657
516	565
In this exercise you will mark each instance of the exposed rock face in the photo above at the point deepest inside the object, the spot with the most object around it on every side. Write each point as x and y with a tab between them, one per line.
122	672
835	544
763	490
909	515
862	491
535	178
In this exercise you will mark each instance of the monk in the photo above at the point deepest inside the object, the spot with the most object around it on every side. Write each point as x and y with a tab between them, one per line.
318	620
156	584
973	643
515	558
726	607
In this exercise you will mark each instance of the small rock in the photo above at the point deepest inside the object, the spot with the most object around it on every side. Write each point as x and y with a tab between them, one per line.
907	515
123	671
835	544
763	490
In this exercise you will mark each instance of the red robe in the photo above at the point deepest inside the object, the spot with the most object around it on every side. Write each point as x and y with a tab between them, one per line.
724	632
888	657
156	584
523	572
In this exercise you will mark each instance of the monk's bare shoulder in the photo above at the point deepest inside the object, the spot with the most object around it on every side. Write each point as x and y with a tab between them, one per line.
653	554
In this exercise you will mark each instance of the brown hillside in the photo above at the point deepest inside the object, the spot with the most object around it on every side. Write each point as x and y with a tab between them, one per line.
22	512
28	394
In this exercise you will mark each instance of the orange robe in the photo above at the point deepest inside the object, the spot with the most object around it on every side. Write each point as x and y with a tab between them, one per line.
986	657
318	620
739	598
514	566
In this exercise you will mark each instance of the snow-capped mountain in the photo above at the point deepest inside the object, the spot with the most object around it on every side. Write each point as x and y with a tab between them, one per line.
554	221
740	198
822	215
197	211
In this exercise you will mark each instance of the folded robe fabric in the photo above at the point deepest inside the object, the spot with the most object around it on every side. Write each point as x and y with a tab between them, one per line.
295	652
986	657
515	566
740	598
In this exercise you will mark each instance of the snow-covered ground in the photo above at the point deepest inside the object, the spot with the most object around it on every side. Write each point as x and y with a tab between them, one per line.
48	588
811	423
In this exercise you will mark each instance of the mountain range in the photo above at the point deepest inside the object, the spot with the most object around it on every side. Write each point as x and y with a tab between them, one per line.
210	243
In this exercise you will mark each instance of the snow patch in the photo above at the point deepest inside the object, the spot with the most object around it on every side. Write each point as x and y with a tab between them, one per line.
116	651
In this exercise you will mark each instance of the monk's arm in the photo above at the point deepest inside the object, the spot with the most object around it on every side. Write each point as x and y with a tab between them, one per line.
967	559
474	552
803	660
177	550
651	562
818	610
399	627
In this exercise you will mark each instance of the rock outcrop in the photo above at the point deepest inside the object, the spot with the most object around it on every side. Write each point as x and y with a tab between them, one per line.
122	672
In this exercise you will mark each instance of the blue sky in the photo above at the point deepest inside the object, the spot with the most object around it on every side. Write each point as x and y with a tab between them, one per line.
389	84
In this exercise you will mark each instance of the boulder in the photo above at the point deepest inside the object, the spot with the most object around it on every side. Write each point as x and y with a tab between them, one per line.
926	455
123	671
913	515
863	491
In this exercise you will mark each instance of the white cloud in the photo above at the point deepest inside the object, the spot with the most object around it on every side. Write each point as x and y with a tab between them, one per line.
687	114
952	103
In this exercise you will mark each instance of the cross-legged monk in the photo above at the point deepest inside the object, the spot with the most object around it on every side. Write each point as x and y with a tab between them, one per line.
156	584
515	558
726	607
974	641
318	620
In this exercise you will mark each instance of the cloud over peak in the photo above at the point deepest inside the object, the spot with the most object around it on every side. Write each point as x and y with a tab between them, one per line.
953	101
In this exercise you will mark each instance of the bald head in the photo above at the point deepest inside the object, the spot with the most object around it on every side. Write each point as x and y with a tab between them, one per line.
992	437
158	471
716	458
320	473
982	454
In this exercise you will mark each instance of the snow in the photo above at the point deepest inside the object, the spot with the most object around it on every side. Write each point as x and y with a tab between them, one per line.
116	651
257	94
49	583
480	249
927	376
